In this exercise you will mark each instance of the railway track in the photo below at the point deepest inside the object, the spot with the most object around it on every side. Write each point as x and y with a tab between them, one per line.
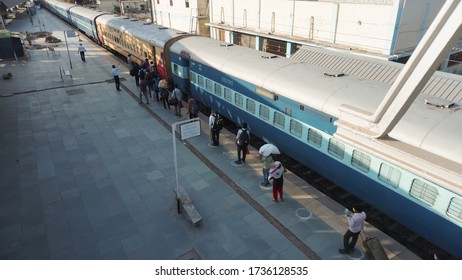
417	244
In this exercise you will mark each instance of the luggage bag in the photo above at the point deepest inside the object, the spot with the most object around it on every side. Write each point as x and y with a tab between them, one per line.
373	249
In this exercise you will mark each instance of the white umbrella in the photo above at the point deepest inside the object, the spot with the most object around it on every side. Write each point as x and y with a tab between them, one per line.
268	149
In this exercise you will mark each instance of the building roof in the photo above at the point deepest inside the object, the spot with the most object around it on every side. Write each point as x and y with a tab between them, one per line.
11	3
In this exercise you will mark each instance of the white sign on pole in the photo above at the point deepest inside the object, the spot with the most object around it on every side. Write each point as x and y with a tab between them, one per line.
188	129
191	129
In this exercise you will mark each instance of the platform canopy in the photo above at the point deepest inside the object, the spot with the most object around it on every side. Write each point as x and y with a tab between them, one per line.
11	3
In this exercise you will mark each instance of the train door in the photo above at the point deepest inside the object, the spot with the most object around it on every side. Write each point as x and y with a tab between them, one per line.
180	71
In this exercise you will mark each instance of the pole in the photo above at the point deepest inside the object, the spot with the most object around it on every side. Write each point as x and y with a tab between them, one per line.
67	46
175	162
174	158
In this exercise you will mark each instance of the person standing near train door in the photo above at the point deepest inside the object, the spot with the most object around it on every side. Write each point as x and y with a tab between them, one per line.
215	124
82	51
356	220
242	141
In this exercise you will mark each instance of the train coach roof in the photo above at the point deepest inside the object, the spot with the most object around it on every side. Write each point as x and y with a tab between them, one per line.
425	127
156	35
60	4
88	13
285	77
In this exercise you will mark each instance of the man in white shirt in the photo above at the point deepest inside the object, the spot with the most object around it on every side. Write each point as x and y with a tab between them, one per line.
355	225
82	51
214	133
115	73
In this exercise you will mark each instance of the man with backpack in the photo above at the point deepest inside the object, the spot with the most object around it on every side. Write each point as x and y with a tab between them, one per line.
215	124
242	141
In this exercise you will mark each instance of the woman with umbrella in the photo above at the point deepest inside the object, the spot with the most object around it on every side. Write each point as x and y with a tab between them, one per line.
265	156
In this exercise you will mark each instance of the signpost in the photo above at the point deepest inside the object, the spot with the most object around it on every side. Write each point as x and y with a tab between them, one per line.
188	129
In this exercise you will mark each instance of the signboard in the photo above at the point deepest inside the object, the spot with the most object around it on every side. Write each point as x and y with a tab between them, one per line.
70	33
190	129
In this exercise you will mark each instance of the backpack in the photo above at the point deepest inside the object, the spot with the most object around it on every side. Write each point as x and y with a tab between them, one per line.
194	107
243	137
218	124
142	74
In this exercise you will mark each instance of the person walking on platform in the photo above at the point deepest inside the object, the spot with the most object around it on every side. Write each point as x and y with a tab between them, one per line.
215	124
82	51
115	73
276	174
356	221
242	142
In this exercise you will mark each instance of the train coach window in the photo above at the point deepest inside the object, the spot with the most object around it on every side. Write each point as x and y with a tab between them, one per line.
455	208
193	78
228	94
296	128
423	191
250	106
336	148
264	112
361	160
208	85
238	100
390	175
218	90
279	120
200	81
314	137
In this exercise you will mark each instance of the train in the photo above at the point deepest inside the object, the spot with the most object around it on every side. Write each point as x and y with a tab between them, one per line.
414	175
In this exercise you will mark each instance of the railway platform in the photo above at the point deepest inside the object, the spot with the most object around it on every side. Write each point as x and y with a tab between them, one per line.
88	173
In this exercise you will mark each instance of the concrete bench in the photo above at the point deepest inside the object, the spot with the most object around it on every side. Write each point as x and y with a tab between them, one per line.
65	73
53	52
187	206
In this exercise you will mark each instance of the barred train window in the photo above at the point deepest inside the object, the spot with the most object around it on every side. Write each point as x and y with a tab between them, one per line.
314	137
208	85
218	89
279	120
250	106
389	175
264	112
455	208
176	70
296	128
361	160
238	100
200	80
193	78
423	191
228	94
336	148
